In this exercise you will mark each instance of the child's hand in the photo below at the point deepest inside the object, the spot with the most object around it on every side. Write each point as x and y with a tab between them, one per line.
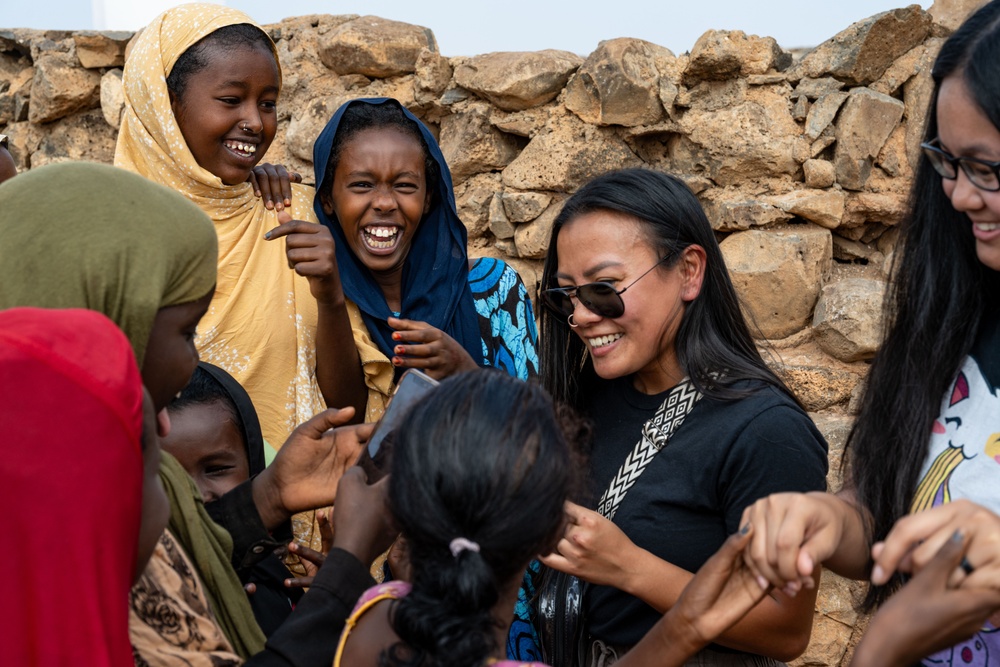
312	560
271	180
419	345
309	248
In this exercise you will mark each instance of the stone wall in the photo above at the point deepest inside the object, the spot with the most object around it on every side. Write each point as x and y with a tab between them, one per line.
803	164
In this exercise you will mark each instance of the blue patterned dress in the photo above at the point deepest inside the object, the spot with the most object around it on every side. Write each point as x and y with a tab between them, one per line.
506	320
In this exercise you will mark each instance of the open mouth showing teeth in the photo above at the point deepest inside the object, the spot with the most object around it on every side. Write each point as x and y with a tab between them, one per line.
245	150
987	226
381	238
601	341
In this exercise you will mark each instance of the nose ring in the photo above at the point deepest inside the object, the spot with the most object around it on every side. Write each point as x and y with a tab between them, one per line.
245	128
570	322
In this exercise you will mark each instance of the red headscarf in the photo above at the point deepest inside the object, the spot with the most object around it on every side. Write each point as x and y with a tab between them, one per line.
70	469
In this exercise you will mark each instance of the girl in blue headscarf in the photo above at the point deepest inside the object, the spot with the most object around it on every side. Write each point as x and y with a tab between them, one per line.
384	190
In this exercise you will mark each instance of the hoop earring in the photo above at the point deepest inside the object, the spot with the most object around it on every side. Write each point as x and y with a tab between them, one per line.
569	321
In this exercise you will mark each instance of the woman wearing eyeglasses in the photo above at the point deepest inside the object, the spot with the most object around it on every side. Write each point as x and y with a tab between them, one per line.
643	334
924	454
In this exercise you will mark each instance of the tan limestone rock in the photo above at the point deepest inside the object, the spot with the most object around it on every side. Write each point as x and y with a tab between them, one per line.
472	198
917	93
801	109
725	54
835	428
817	88
865	123
778	274
713	95
952	13
619	83
432	75
819	386
518	80
375	47
101	49
112	97
532	239
819	173
471	145
83	136
901	71
501	227
308	121
23	139
758	138
822	113
731	210
824	207
524	206
893	159
885	207
525	123
566	155
847	321
860	54
59	89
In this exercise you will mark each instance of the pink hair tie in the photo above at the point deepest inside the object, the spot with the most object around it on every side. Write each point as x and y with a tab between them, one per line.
460	544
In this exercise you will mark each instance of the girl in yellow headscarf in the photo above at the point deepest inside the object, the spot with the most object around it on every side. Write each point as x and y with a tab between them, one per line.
201	90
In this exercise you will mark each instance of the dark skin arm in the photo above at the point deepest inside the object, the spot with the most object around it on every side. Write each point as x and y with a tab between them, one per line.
933	611
310	251
308	467
720	594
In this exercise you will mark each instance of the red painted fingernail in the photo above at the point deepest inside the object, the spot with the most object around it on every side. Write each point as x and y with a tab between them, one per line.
396	336
396	361
400	349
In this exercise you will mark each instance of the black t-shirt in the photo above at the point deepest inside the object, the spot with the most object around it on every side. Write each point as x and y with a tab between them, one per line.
725	456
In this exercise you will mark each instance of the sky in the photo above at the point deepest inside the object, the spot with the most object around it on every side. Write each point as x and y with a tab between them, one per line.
472	27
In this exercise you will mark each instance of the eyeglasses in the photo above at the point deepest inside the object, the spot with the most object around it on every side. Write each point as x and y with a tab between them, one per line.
984	174
599	298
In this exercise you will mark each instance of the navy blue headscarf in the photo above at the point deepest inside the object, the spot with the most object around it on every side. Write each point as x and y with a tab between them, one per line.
435	285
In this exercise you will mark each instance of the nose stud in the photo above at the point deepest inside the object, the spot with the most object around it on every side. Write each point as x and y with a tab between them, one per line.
246	128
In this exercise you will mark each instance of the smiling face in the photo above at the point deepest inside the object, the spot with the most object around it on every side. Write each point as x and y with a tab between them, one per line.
965	131
209	446
171	356
604	246
379	195
237	89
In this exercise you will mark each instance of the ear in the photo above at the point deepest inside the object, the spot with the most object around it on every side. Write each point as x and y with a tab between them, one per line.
326	200
175	105
692	269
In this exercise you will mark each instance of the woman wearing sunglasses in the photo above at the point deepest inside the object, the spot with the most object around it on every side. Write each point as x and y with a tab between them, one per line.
924	452
643	334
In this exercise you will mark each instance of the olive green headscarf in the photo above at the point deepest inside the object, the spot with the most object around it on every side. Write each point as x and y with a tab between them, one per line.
81	235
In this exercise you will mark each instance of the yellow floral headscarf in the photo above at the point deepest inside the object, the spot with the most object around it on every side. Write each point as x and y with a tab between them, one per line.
261	326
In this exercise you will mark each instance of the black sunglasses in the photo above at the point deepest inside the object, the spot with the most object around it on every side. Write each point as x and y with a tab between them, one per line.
984	174
599	298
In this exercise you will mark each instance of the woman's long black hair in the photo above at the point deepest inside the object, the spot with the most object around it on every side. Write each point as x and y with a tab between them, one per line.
714	345
482	458
933	308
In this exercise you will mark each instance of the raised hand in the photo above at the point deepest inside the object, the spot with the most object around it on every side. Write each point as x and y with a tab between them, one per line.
593	548
794	533
419	345
306	472
936	609
309	248
272	183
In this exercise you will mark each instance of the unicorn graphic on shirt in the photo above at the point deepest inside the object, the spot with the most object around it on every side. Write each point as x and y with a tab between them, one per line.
964	462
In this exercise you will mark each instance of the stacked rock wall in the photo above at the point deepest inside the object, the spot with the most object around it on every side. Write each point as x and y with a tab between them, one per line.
802	165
